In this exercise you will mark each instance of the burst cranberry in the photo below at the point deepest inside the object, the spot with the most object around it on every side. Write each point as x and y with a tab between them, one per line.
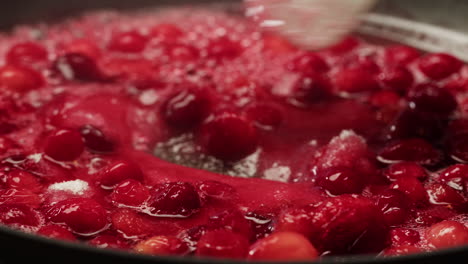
447	234
455	176
56	232
83	216
108	241
432	215
354	80
177	199
385	98
130	193
95	140
26	53
22	180
26	197
19	78
307	63
404	236
231	219
228	136
402	250
339	180
405	170
295	219
400	54
129	42
132	224
432	99
309	88
162	245
186	108
445	195
223	48
77	66
120	171
415	150
261	223
283	246
222	244
166	33
216	190
412	188
397	79
83	46
20	216
439	65
394	206
64	145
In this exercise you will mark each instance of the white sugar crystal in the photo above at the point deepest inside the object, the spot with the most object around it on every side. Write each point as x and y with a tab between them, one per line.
347	133
77	187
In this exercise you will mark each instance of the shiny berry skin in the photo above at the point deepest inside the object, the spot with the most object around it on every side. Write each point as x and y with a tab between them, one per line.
412	188
56	232
128	42
295	219
118	172
283	246
19	197
265	116
26	53
354	80
77	66
186	108
311	88
394	206
83	46
64	145
339	180
414	150
222	244
21	180
396	78
162	245
223	48
20	217
431	99
217	191
411	123
307	63
228	137
442	194
447	234
438	66
130	193
400	54
405	170
166	33
19	78
385	98
84	216
108	241
95	140
175	199
455	176
182	53
404	236
231	219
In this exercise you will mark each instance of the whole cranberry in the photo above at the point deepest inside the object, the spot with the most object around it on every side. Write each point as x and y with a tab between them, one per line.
56	232
83	46
20	216
19	78
394	206
129	42
405	169
410	123
118	172
311	88
307	63
447	234
439	65
162	245
176	199
231	219
442	194
400	54
414	150
432	99
95	140
168	33
26	53
77	66
396	78
412	188
182	53
339	180
64	145
354	80
265	116
222	244
130	193
455	176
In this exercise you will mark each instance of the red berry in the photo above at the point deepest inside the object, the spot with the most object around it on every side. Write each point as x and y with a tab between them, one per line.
222	244
64	145
432	99
22	180
413	123
405	170
232	220
385	98
295	219
396	78
20	197
20	216
404	236
339	180
130	193
83	216
455	176
26	53
354	80
265	116
129	42
394	206
215	190
95	140
283	246
186	108
132	224
166	33
175	199
19	78
162	245
77	66
415	150
441	194
400	54
307	63
108	241
182	53
118	172
56	232
223	48
447	234
412	188
439	65
83	46
311	88
228	136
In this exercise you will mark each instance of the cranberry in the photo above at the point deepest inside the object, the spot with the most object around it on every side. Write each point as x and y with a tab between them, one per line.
162	245
432	215
77	66
19	78
404	236
405	170
265	116
400	54
415	150
307	63
222	244
295	219
444	195
223	48
413	123
129	42
132	224
402	250
340	180
447	234
455	176
277	45
95	140
228	136
215	190
22	180
7	144
182	53
393	204
385	98
186	108
166	33
56	232
108	241
26	53
354	80
309	88
283	246
120	171
192	236
232	220
344	46
176	199
397	79
20	216
83	46
261	223
439	65
432	99
412	188
64	145
130	193
83	216
26	197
